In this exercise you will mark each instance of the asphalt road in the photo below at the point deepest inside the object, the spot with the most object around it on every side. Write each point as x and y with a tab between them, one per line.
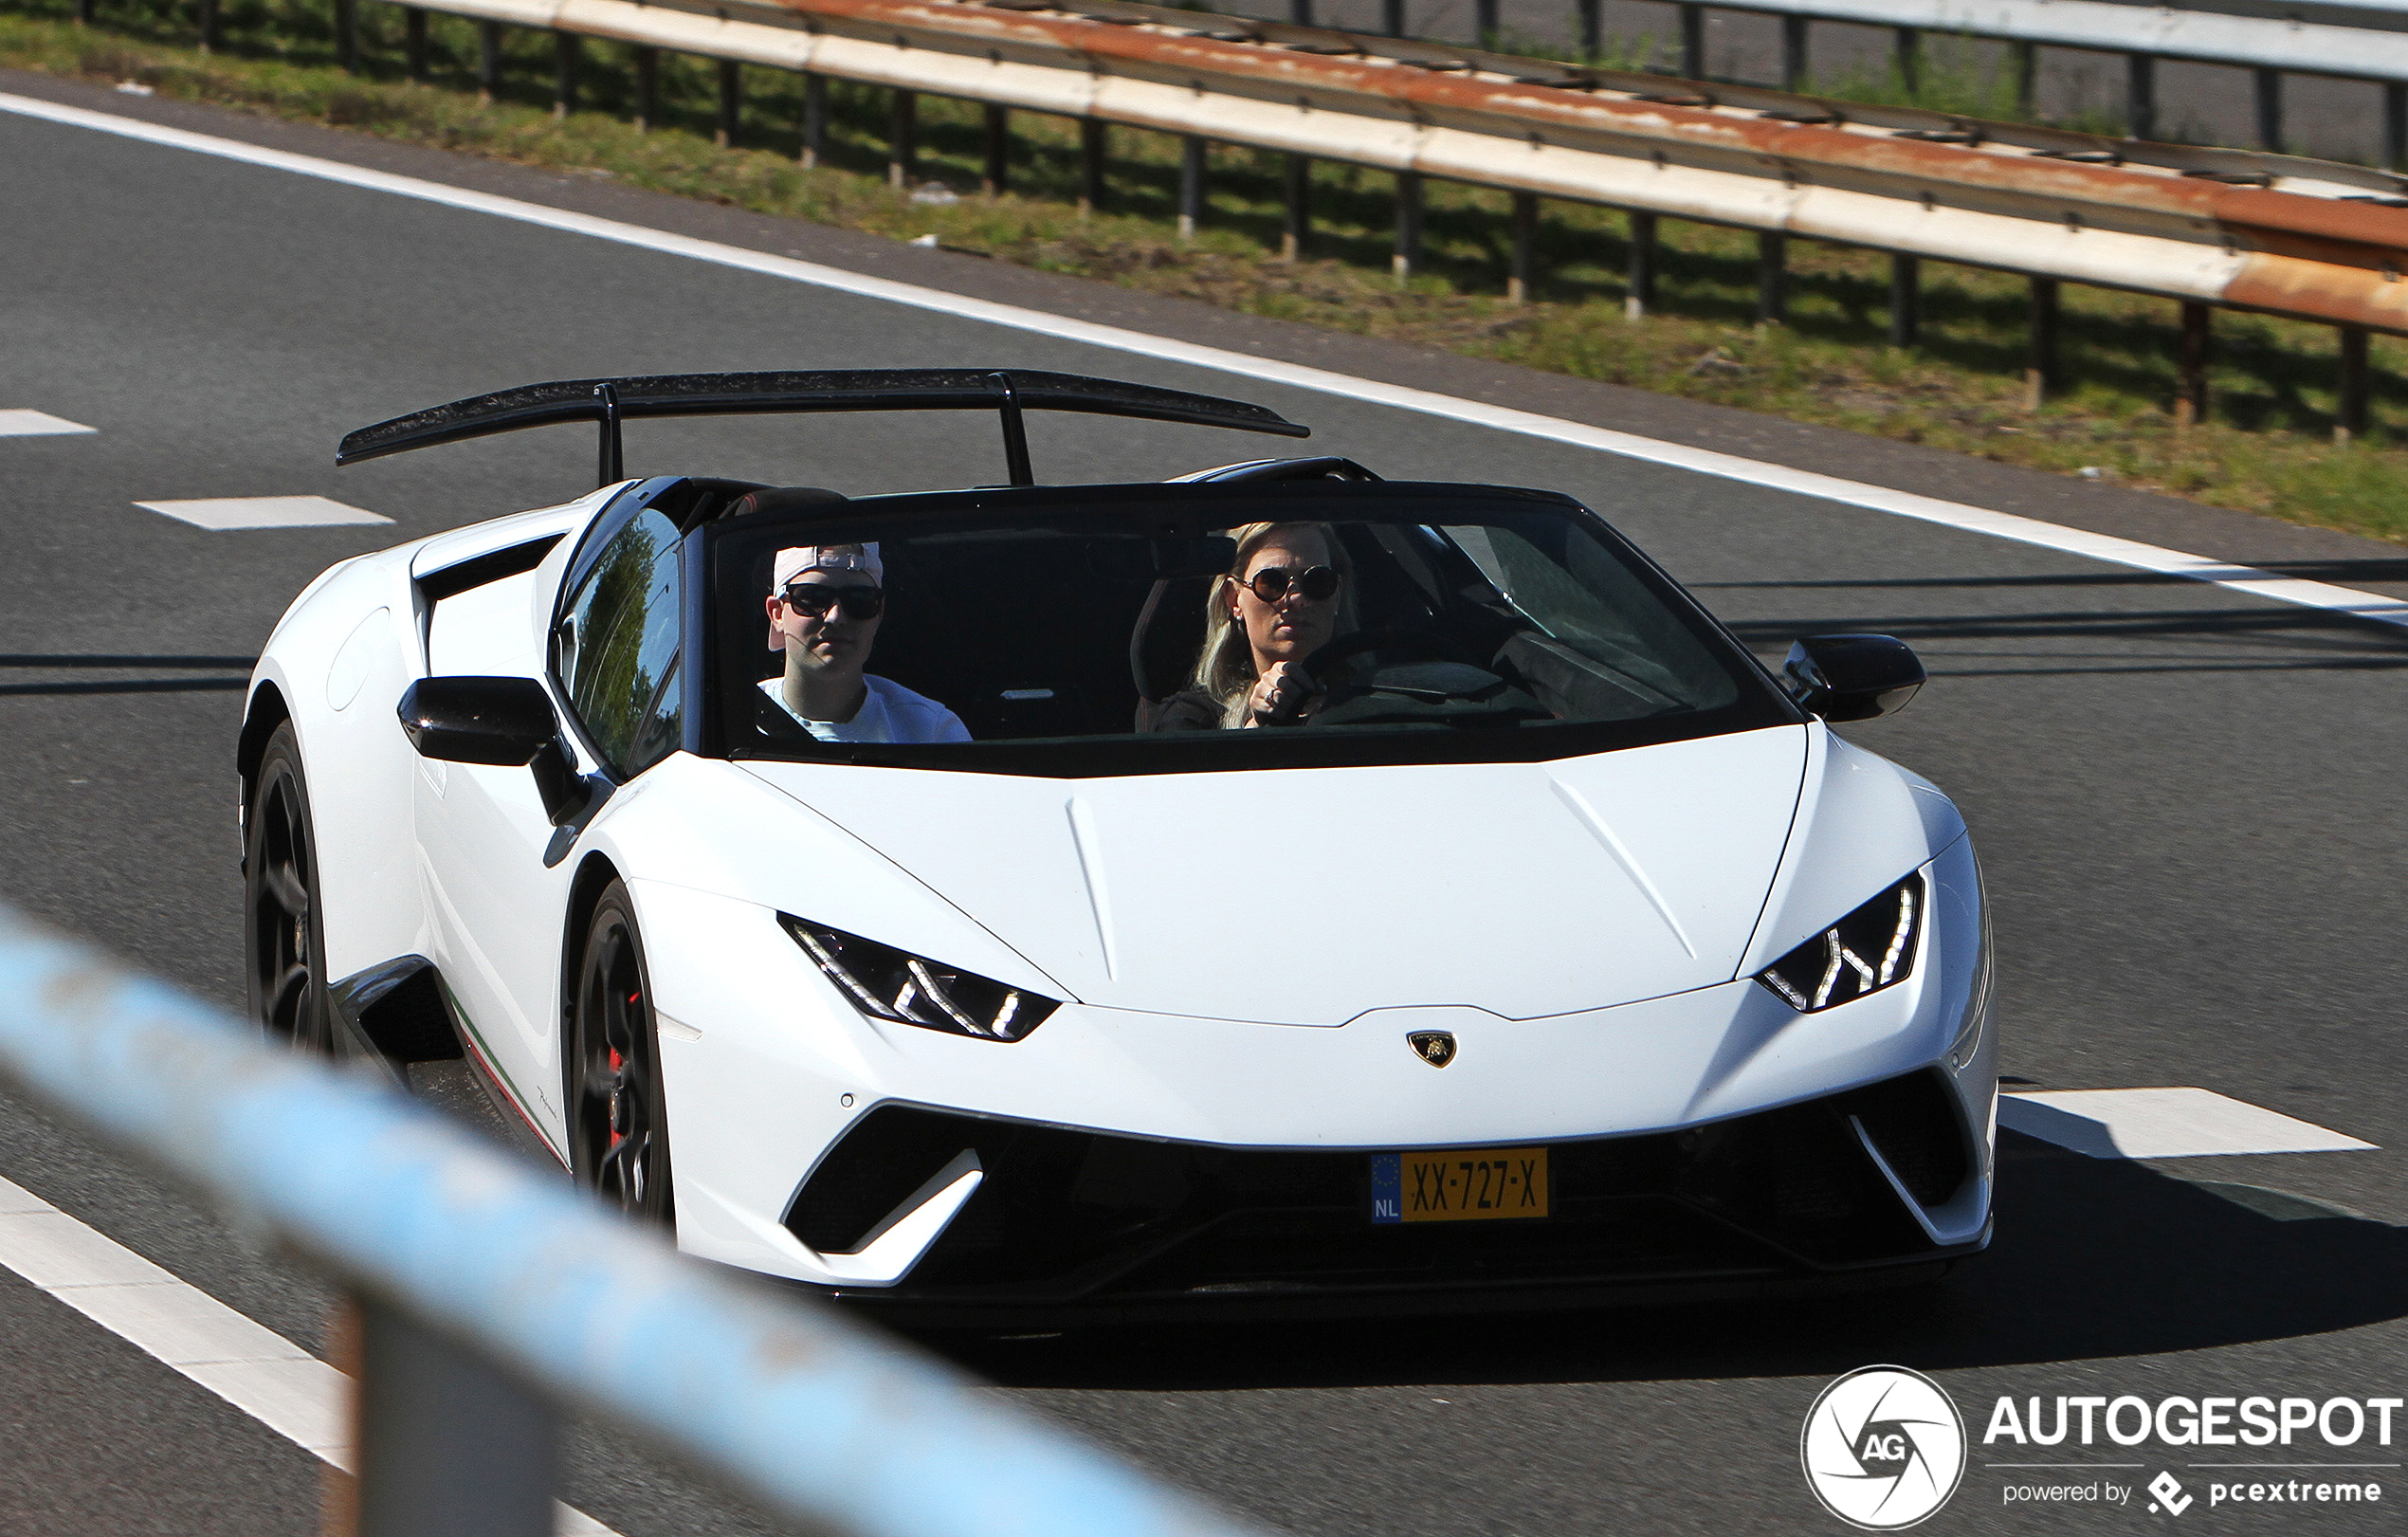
2185	800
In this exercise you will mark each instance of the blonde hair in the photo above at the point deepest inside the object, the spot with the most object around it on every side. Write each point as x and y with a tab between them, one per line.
1225	666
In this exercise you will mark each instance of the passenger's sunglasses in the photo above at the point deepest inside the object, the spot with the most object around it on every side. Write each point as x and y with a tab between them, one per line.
1314	584
816	599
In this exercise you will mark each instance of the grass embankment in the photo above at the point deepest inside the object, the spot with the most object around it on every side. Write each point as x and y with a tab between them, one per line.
2267	448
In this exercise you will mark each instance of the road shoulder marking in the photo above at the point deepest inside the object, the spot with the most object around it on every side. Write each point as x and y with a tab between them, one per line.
17	423
221	513
252	1367
2163	1123
1957	515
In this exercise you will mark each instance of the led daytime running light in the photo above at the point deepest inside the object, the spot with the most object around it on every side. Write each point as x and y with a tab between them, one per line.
1836	966
891	984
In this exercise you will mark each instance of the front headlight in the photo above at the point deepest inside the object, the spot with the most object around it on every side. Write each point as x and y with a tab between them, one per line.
887	983
1870	949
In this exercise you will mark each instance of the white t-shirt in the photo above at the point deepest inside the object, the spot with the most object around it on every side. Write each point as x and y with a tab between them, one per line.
890	713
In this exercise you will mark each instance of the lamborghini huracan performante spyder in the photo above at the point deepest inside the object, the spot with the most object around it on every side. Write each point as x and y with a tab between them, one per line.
1512	939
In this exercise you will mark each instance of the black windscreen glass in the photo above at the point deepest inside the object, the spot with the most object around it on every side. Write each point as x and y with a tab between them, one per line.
1171	628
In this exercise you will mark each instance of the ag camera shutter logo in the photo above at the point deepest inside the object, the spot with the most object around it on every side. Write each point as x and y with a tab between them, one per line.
1883	1448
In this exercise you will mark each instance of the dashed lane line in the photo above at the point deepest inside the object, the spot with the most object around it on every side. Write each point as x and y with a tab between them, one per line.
2102	547
254	1368
18	423
226	512
2163	1123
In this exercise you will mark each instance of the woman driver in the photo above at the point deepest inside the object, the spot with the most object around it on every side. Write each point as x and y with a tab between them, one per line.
1278	607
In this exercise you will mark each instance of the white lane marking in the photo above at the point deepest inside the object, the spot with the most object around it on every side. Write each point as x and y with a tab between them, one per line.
220	513
255	1369
35	424
2163	1123
2104	547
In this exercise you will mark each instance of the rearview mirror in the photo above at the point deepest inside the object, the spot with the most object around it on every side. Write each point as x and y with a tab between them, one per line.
499	720
504	722
1852	677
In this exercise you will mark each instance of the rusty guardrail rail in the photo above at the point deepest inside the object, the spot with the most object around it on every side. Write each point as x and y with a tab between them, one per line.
491	1292
2306	239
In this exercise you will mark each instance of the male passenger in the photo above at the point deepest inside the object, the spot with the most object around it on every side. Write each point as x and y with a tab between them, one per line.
824	606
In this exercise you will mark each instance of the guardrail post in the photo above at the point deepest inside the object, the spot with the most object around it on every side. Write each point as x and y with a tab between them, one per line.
84	12
2269	110
1519	280
731	102
1092	145
1192	152
2139	96
212	33
2395	126
1794	52
2191	367
2190	385
1639	293
1299	189
2040	367
1486	24
1409	207
347	36
2349	416
647	89
446	1443
1909	52
567	49
1906	301
1592	29
2027	77
1392	17
815	119
1300	12
488	61
1692	41
1771	277
414	43
903	139
996	176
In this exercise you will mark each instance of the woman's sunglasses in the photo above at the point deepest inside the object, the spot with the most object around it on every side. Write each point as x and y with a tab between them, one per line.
1314	584
816	599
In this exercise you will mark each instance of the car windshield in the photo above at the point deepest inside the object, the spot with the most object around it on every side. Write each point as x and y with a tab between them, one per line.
1149	630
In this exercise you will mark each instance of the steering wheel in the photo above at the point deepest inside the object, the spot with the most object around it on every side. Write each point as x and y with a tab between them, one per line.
1419	644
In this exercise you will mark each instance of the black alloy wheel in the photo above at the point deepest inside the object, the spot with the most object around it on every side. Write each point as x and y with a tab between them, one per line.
618	1125
284	933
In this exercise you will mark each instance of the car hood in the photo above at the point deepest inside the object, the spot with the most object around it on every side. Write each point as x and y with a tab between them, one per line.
1310	896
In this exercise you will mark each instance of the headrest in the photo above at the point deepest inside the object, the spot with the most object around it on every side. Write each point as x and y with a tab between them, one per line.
782	499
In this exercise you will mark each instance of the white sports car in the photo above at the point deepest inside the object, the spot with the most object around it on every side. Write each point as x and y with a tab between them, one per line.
1272	891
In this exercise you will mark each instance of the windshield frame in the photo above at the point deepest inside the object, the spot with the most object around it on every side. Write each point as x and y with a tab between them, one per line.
1185	510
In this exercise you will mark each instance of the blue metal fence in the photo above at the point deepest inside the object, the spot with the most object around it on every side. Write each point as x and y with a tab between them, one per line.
812	1414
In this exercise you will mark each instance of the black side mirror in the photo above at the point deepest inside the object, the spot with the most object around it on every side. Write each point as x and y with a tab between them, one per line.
1853	677
504	722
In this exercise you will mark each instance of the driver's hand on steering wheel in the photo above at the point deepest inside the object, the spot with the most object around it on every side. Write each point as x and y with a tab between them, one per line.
1281	696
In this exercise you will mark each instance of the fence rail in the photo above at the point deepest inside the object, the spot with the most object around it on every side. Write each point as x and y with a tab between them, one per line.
2207	228
482	1278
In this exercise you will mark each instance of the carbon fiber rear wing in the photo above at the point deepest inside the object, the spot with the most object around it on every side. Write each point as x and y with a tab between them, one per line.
609	402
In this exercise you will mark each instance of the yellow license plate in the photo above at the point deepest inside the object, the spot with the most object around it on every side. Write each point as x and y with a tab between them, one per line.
1460	1185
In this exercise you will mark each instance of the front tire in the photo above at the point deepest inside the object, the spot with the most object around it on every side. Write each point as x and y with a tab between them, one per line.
618	1119
283	930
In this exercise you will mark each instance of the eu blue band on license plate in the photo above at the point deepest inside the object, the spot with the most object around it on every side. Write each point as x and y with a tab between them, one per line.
1459	1185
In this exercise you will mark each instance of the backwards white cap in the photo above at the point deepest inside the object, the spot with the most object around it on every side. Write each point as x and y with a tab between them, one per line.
793	563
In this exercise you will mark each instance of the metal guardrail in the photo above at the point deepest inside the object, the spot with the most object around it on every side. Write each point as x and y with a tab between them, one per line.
2207	228
491	1291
